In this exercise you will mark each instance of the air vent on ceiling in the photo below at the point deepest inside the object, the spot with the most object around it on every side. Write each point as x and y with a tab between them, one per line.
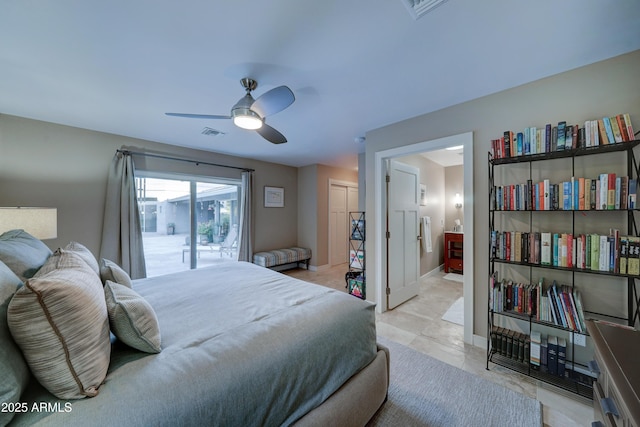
212	132
418	8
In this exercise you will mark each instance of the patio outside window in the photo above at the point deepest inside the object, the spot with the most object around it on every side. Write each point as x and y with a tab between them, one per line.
172	231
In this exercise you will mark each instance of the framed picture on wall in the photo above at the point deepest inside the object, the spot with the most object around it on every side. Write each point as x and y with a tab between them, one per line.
423	195
273	197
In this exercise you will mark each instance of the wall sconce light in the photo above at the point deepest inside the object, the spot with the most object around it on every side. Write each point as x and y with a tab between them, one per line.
458	201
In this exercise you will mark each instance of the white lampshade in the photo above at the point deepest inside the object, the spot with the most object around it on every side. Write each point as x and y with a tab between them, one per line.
41	223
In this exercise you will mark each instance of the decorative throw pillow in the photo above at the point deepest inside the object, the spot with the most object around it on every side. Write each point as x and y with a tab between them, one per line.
132	318
22	253
109	270
63	259
59	320
14	372
85	254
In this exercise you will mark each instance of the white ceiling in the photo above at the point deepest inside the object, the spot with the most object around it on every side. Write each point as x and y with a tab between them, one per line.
446	157
117	66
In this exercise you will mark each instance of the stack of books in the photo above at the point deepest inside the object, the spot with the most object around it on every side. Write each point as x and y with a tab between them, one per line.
611	252
563	136
510	344
560	305
548	354
607	191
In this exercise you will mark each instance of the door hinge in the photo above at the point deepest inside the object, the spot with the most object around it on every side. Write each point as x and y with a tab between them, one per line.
388	234
388	178
388	291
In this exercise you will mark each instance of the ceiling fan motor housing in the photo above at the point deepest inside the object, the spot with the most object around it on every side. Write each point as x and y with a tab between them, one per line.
249	84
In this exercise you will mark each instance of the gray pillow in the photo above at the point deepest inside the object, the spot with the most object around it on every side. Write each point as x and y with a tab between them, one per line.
59	320
14	372
132	318
109	270
22	253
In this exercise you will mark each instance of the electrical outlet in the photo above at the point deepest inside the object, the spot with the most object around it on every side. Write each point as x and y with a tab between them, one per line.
578	339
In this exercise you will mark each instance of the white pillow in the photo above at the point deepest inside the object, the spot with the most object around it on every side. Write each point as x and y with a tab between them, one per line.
132	319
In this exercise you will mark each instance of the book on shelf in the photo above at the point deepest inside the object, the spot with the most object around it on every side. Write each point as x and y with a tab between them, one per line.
561	356
534	357
580	313
544	351
604	137
627	122
552	356
615	129
561	135
494	338
623	127
608	130
633	254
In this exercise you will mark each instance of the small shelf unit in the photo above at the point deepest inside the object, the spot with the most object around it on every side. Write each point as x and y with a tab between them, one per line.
355	277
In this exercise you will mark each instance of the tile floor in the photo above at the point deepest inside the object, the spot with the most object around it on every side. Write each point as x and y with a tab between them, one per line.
418	324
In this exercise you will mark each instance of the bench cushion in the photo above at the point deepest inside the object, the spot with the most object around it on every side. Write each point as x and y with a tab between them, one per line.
281	256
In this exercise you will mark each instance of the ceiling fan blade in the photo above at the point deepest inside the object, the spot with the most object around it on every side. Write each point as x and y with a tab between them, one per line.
197	116
271	135
273	101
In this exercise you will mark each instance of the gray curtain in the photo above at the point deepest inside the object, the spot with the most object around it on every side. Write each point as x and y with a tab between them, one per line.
121	230
245	241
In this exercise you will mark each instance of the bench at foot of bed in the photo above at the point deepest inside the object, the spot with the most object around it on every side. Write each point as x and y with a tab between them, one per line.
281	259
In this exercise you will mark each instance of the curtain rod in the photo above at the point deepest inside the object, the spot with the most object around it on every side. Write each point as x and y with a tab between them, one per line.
197	162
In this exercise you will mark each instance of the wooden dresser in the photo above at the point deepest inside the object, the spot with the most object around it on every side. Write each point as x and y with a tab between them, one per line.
453	245
616	393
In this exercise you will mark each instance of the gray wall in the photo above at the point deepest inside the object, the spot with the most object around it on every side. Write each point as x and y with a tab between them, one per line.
453	183
601	89
313	209
44	164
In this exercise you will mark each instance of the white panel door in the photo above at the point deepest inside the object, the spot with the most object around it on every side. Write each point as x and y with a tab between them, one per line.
338	224
403	242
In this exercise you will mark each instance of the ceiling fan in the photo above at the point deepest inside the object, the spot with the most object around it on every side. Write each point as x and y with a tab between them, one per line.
250	114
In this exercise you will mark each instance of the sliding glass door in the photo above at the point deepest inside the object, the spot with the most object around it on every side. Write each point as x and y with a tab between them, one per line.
187	222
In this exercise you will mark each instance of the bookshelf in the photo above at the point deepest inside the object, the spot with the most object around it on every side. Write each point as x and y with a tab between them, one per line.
545	282
355	277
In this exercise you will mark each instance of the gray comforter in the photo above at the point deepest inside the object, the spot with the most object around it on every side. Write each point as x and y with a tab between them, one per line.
241	345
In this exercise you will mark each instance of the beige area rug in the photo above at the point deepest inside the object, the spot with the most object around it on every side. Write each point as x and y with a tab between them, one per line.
427	392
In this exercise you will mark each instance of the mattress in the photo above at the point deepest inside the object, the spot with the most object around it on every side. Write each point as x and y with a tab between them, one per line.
241	345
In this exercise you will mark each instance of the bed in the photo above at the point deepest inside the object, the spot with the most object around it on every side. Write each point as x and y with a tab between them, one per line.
240	345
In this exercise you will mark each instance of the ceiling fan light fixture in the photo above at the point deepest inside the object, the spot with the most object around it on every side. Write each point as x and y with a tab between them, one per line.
246	118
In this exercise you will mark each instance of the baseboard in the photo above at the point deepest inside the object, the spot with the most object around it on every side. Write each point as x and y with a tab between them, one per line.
319	267
433	272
